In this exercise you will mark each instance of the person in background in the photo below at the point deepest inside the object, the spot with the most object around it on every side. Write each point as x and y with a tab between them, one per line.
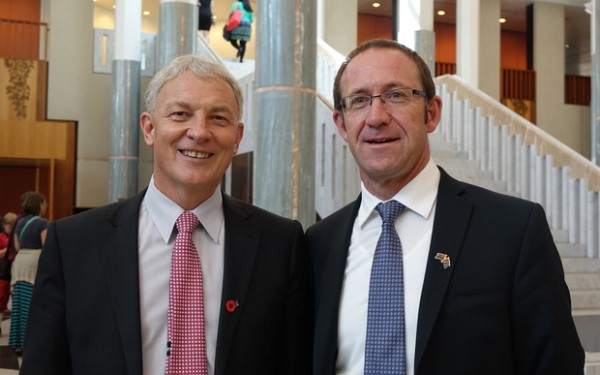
29	236
424	274
102	298
8	222
205	17
241	34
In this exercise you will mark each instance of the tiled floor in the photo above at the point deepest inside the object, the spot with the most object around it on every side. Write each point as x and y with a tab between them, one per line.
9	363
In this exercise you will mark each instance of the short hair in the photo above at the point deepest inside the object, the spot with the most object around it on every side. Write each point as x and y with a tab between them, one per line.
425	73
202	68
32	203
9	218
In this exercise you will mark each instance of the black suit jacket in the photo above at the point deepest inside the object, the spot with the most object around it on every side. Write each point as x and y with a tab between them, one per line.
501	308
85	313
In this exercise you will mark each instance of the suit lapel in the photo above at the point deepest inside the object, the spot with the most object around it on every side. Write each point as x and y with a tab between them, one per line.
241	247
120	260
450	225
329	288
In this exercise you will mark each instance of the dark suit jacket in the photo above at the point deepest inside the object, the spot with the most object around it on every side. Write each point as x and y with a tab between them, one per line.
85	314
501	308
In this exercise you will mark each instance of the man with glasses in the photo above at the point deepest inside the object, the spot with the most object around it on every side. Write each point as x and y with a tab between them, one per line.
424	274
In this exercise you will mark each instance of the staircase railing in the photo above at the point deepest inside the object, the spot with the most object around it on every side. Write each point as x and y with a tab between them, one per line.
530	162
336	174
533	164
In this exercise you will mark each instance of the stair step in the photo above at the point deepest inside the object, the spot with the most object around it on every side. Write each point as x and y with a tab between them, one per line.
583	281
585	299
581	265
571	250
560	235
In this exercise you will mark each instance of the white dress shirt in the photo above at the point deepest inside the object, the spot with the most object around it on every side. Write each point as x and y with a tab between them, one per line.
156	237
414	227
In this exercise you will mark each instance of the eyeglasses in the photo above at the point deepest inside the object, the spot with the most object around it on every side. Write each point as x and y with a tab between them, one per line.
395	97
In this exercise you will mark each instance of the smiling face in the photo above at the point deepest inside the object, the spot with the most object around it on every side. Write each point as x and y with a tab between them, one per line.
195	131
389	142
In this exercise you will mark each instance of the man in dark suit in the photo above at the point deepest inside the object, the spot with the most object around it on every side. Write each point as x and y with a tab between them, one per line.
484	289
101	296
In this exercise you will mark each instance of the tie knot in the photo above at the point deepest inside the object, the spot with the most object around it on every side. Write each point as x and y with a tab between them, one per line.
390	210
186	222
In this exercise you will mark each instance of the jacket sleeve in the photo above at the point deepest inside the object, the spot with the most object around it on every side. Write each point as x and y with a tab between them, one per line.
544	334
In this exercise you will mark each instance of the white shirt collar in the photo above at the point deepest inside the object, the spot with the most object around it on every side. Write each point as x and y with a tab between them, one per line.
419	195
164	212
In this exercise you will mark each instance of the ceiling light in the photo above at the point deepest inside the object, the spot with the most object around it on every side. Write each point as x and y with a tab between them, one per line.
146	13
502	20
441	12
376	5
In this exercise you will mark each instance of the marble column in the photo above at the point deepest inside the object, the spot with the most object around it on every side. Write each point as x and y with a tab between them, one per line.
178	29
337	23
415	28
124	130
284	160
478	44
549	66
595	81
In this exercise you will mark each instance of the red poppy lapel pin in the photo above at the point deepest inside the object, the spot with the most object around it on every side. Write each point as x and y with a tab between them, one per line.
231	305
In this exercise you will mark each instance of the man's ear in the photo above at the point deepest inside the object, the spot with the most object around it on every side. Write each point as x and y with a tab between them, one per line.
147	128
433	113
239	134
340	124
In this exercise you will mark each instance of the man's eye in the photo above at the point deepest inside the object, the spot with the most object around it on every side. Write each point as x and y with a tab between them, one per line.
358	100
397	95
178	115
220	120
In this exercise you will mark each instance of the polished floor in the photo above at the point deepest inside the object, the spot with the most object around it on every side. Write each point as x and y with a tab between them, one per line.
9	363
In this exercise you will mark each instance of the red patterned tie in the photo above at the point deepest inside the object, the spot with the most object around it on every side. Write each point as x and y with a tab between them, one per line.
186	346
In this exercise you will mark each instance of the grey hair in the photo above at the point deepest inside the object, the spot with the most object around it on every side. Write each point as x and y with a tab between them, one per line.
202	68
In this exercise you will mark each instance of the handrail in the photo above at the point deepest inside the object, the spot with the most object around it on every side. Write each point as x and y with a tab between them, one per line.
564	156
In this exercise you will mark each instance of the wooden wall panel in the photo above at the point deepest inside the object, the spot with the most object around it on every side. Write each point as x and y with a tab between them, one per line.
18	83
445	43
19	29
373	27
33	140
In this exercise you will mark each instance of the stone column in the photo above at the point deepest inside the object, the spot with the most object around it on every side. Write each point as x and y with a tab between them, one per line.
284	161
549	66
338	22
478	44
124	131
415	28
595	81
178	28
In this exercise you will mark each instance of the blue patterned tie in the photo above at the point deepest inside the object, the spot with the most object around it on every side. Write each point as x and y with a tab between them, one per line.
385	351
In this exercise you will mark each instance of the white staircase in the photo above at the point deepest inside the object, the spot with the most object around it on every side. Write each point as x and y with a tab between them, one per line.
580	259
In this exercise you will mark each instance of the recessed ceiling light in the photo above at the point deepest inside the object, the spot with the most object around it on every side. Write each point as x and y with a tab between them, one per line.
146	13
441	12
376	5
502	20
